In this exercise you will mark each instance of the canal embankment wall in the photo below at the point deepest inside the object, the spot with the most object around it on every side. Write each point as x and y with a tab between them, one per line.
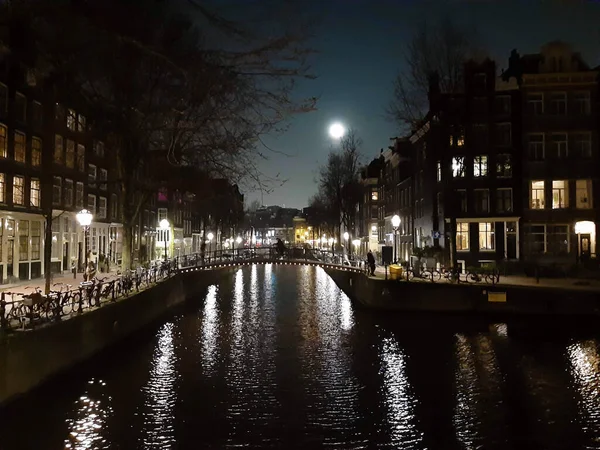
443	297
30	358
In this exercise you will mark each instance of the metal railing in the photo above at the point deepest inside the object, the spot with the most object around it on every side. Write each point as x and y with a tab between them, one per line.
26	311
485	276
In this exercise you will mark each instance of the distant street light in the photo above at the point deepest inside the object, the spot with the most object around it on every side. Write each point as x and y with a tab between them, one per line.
84	217
164	226
395	225
346	236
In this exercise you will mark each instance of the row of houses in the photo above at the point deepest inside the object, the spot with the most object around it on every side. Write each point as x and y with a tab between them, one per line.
506	170
53	162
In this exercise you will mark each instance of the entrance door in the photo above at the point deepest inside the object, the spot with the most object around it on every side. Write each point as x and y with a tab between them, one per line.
65	256
584	247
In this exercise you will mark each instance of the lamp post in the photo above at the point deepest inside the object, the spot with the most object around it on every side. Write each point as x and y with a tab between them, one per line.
346	237
84	217
238	241
164	226
395	225
210	237
356	243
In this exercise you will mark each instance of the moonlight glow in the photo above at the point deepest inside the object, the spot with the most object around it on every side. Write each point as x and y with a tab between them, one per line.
336	130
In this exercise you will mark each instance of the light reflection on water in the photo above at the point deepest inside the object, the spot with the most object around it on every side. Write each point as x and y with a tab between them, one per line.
398	398
91	412
161	396
585	363
286	361
210	330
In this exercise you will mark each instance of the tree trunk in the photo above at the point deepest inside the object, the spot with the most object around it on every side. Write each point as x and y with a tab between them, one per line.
127	246
48	254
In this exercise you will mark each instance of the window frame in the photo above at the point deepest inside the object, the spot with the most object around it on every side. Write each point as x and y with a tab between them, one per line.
15	190
477	203
102	211
36	151
564	196
480	166
33	190
502	200
23	147
91	206
462	237
588	192
57	191
542	142
458	172
534	198
532	104
490	236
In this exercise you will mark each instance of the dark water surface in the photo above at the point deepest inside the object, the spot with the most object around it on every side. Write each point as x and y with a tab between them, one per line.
277	357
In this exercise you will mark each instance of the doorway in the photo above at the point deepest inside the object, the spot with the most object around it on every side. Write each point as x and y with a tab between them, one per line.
584	247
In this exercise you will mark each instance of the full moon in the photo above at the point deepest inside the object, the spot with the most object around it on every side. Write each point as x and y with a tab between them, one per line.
336	130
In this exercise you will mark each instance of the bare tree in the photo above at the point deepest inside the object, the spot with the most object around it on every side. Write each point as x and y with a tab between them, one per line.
338	181
443	49
149	78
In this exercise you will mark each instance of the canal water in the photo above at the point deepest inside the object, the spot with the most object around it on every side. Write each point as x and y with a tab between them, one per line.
277	357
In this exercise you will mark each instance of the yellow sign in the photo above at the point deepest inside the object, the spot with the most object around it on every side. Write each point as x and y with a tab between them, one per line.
497	297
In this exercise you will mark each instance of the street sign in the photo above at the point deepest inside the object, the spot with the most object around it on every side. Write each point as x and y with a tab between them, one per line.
436	234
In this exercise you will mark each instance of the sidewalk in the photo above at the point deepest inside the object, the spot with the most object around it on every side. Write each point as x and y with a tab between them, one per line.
65	278
513	280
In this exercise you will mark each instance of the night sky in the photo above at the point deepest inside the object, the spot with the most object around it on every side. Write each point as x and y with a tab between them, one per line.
360	44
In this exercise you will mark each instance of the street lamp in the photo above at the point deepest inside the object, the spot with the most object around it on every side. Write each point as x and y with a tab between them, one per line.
395	225
238	241
210	237
164	226
84	217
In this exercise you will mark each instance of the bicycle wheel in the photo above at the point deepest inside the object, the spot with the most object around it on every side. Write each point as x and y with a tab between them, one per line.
473	277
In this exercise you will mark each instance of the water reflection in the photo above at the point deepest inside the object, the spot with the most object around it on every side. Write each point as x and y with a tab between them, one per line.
160	395
398	399
586	373
91	411
478	413
210	330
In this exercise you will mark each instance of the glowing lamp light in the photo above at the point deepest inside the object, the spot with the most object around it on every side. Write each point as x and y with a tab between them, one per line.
373	227
238	240
84	217
356	242
585	227
164	224
346	236
396	221
210	236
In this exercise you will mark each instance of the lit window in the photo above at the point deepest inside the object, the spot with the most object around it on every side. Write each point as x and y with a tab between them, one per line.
374	196
36	239
560	195
462	237
480	166
537	195
486	236
70	158
439	171
2	189
19	147
583	190
503	165
24	240
18	190
36	152
3	141
458	166
34	193
71	120
57	191
81	123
